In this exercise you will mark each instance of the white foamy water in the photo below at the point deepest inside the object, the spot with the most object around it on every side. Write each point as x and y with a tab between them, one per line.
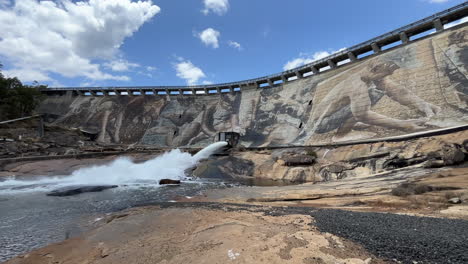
122	171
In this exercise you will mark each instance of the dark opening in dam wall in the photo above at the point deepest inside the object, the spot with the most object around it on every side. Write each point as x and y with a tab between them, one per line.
418	86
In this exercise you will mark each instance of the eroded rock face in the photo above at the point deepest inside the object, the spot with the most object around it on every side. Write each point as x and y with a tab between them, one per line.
227	167
356	160
336	171
23	142
446	154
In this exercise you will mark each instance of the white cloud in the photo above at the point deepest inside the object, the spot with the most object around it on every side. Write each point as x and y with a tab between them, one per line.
296	63
235	44
219	7
458	22
307	58
150	68
209	37
64	37
189	72
120	65
27	75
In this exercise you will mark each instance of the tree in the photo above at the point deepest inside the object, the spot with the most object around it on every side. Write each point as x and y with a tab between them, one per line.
16	99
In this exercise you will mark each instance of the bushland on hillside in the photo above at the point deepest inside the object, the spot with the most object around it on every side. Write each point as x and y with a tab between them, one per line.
17	99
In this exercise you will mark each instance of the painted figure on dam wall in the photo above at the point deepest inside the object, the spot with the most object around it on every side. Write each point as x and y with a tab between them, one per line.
276	116
351	101
193	120
455	66
399	91
416	87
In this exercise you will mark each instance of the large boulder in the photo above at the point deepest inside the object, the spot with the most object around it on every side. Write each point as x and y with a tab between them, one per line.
227	167
298	160
77	189
399	161
336	171
168	181
449	154
452	154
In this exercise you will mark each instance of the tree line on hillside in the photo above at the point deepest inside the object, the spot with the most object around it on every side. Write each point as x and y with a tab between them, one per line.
17	99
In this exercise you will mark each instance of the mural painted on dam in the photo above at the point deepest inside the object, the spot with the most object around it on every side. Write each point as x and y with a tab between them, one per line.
416	87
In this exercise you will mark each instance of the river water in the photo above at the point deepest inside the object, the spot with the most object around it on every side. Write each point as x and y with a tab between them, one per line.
30	219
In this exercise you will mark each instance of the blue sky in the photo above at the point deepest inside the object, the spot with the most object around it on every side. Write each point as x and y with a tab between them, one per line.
180	42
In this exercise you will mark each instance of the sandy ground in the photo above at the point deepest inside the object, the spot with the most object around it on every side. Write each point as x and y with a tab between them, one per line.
199	235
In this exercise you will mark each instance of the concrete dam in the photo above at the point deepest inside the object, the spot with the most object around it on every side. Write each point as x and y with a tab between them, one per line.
418	85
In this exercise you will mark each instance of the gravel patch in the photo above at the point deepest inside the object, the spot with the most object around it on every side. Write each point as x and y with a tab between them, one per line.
407	239
397	238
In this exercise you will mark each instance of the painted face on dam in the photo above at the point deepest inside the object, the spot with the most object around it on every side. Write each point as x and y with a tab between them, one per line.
379	70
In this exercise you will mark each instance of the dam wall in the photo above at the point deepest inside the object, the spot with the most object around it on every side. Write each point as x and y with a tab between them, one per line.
418	86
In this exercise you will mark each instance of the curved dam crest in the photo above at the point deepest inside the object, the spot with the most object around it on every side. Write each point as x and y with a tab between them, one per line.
420	86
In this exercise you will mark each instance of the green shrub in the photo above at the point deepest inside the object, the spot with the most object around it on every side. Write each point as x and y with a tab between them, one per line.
16	99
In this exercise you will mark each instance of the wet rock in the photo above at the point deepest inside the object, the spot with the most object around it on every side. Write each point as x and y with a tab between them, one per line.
168	181
116	216
455	200
27	186
74	190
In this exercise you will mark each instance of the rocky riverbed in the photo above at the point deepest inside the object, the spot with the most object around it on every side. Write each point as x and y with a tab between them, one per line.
221	233
333	222
388	202
30	219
